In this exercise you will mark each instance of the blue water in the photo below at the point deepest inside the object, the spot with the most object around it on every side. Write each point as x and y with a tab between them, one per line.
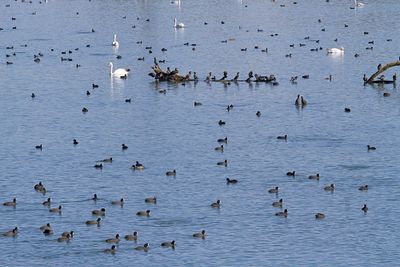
165	132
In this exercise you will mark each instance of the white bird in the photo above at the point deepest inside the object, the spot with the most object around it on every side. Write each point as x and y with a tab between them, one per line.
121	73
339	50
115	42
358	4
178	25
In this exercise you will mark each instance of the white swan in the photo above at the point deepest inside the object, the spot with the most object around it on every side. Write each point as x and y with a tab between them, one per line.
358	4
339	50
178	25
121	73
115	42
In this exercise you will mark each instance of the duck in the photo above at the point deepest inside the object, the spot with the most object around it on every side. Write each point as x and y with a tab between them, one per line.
371	147
115	42
45	227
47	202
278	204
75	142
98	166
236	78
121	73
132	237
282	213
171	173
118	202
65	238
347	110
293	173
144	248
319	216
124	147
39	147
179	25
107	160
364	208
95	198
258	113
216	204
101	212
113	240
231	181
201	234
197	104
223	140
84	110
223	163
168	244
274	190
282	137
11	203
70	233
363	188
55	210
314	177
11	233
111	250
221	122
358	4
335	50
152	200
39	187
92	222
330	187
138	166
143	213
219	148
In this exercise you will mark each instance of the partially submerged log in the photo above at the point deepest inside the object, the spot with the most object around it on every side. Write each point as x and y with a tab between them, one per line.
381	70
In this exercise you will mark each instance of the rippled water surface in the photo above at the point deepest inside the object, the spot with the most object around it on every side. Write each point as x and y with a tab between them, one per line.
166	132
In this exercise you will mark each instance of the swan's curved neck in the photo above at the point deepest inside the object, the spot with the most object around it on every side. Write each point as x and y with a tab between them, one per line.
115	37
174	22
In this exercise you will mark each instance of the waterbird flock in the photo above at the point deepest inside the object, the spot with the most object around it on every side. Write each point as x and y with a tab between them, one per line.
173	76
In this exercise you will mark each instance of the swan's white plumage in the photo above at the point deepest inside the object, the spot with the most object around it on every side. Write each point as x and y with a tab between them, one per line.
118	72
335	50
178	25
115	42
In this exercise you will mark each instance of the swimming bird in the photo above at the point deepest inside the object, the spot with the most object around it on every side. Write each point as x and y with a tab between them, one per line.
221	122
151	200
101	212
278	204
91	222
303	101
358	4
124	147
178	25
118	202
274	190
282	213
143	213
371	147
171	173
144	248
47	202
347	110
70	233
137	166
236	78
363	188
201	234
46	226
197	104
223	140
48	231
121	73
319	216
11	233
223	163
107	160
94	198
98	166
293	173
364	208
11	203
168	244
132	237
55	210
258	113
111	250
330	188
113	240
40	147
115	42
216	204
282	137
75	142
231	181
314	177
39	187
335	50
219	148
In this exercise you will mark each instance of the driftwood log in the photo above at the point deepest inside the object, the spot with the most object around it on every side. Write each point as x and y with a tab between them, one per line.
381	70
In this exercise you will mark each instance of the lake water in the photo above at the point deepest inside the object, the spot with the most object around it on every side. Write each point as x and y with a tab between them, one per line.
166	132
